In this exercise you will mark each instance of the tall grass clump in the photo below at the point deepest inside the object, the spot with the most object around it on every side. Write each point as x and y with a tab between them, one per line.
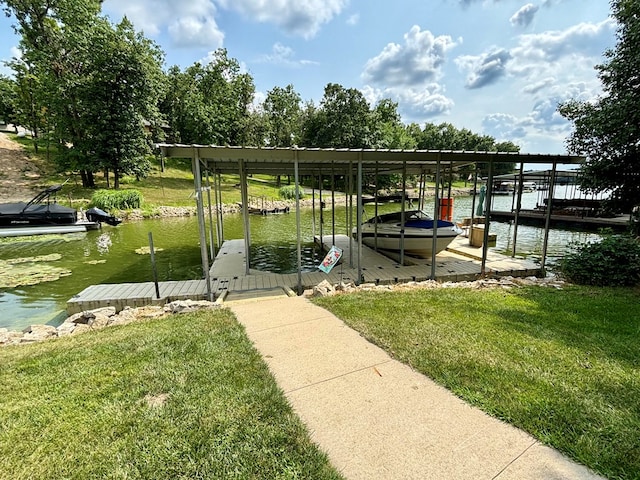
288	192
117	199
614	261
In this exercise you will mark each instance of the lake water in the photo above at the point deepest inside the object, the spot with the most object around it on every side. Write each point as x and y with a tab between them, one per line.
109	255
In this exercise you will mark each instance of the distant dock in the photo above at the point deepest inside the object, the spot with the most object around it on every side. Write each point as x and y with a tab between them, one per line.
460	262
538	219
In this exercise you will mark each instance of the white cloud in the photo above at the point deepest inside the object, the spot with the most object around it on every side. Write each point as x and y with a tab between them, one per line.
537	86
193	22
353	19
525	15
584	39
189	22
569	52
484	69
416	62
413	103
192	31
293	16
284	56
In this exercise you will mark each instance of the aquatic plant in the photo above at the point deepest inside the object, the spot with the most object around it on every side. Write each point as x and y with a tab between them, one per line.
17	272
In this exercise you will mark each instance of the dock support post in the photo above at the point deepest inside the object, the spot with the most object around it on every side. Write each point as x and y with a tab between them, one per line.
245	216
359	218
547	220
487	218
298	229
518	207
152	253
436	216
204	254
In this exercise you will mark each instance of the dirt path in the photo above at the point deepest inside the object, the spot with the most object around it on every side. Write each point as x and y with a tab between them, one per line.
19	176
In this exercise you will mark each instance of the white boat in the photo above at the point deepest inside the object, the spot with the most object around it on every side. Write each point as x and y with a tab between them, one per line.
386	232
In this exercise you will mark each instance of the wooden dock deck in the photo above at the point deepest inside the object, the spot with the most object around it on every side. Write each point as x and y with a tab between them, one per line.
459	262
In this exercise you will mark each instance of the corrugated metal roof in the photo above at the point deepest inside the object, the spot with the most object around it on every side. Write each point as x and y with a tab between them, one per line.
277	160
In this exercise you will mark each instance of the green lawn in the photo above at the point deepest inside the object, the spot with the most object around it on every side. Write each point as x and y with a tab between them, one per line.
563	365
181	397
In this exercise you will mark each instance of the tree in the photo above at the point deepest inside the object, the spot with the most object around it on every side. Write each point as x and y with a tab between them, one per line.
210	104
343	120
389	131
91	82
607	130
8	99
447	137
282	109
124	94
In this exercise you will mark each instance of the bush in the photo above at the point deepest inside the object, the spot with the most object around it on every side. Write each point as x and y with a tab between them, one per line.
614	261
117	199
289	192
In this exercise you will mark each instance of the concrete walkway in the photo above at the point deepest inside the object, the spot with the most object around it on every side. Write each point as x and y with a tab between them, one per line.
377	418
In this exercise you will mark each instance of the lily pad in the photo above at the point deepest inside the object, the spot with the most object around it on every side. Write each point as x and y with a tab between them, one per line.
17	272
147	250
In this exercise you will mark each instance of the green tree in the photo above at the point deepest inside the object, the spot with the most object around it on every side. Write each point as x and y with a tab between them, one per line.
389	131
86	81
447	137
282	109
343	120
607	130
124	94
8	100
210	104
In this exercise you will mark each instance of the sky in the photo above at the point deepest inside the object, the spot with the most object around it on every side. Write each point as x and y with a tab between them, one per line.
495	67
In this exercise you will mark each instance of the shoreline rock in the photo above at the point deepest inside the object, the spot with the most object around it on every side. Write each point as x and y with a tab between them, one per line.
99	319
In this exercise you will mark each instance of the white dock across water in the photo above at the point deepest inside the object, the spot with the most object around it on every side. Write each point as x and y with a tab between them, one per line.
459	262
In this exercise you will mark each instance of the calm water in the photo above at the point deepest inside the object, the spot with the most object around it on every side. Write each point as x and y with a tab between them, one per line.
273	248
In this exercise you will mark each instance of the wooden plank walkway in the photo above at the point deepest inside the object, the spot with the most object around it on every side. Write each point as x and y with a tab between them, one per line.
459	262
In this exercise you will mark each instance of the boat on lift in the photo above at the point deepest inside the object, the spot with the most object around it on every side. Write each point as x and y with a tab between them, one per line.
415	235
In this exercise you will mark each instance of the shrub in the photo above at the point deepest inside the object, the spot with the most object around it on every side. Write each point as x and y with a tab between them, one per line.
117	199
289	192
614	261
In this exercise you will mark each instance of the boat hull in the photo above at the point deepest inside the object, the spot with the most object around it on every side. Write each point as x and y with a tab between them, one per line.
416	242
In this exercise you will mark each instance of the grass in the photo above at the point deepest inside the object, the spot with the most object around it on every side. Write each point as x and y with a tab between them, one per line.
182	397
562	365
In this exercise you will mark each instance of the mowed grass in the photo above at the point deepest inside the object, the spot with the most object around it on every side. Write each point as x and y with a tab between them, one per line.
181	397
563	365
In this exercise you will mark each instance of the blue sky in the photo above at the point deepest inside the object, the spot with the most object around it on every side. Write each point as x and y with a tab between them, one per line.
496	67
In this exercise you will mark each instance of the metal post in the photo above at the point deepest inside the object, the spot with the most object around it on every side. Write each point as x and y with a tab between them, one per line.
195	164
435	219
298	229
321	214
547	221
153	265
220	222
359	218
333	205
517	212
212	246
245	216
402	209
487	218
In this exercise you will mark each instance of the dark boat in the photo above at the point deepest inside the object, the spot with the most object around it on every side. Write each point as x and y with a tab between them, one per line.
95	214
43	215
40	210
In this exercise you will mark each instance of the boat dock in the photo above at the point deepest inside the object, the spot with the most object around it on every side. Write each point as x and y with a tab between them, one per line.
538	219
460	262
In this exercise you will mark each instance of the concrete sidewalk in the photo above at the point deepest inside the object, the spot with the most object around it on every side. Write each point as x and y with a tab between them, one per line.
377	418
